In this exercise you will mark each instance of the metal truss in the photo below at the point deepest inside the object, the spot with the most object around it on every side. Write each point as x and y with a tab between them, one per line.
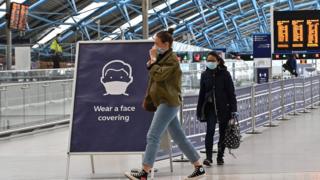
227	30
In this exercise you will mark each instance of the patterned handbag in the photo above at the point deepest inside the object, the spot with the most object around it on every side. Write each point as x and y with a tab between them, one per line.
233	137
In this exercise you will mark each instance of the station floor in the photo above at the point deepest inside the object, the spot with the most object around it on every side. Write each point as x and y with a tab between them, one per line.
290	151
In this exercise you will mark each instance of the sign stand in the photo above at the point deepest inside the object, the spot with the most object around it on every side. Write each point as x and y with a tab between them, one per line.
68	167
92	164
115	84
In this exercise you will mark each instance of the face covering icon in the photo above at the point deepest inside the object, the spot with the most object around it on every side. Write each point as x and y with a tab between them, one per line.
116	77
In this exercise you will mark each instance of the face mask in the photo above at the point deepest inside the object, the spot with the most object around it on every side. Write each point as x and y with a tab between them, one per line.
211	65
116	87
161	50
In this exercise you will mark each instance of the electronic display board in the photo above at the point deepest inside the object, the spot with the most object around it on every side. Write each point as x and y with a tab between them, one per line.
313	33
296	31
18	16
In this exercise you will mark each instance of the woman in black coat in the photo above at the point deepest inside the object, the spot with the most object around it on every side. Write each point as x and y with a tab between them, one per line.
216	104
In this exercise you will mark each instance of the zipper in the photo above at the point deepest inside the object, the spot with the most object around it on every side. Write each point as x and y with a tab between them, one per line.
214	97
215	105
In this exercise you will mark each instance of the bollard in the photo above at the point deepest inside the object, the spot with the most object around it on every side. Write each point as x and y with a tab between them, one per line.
270	107
23	88
2	123
294	113
45	85
304	97
253	111
311	85
283	116
64	99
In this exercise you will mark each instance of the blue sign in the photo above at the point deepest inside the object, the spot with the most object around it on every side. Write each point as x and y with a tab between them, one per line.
111	81
262	75
261	46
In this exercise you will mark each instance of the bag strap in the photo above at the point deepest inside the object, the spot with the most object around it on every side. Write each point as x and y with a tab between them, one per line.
234	156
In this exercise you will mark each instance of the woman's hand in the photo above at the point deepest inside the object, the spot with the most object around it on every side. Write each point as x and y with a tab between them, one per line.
153	53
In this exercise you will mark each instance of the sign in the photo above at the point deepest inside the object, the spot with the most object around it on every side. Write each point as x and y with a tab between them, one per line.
262	75
22	58
18	16
296	31
200	56
110	84
182	56
262	50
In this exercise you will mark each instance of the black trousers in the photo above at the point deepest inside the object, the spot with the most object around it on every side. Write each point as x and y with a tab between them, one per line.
211	126
56	60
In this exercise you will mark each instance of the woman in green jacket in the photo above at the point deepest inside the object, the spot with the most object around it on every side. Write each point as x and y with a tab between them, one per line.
164	90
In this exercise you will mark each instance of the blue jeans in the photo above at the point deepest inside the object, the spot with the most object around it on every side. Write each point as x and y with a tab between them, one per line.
166	118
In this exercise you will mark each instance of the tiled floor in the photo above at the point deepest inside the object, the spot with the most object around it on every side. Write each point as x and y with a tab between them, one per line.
290	151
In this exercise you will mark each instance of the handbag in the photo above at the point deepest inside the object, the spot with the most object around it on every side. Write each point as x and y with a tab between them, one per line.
232	137
148	104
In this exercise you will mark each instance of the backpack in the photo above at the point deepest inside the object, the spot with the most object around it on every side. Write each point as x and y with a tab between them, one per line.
233	138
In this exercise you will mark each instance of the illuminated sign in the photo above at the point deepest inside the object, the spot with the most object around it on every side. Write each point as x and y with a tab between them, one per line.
297	32
313	33
200	56
182	56
283	34
18	16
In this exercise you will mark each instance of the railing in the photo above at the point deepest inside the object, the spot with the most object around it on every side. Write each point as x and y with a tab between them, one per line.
258	105
31	104
23	105
20	76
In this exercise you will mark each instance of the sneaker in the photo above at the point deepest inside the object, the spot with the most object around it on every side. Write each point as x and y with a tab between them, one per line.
207	162
220	161
198	173
141	175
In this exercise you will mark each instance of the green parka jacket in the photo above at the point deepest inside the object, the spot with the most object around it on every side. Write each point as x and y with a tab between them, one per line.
164	84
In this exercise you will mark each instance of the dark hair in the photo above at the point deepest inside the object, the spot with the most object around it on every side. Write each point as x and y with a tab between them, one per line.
166	36
216	55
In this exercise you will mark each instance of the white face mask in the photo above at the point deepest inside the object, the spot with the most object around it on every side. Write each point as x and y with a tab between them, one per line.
211	65
116	87
161	50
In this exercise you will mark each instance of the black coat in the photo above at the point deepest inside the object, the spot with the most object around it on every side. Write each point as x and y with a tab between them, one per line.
219	83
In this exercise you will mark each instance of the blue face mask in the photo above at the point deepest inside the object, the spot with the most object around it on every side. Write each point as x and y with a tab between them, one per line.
161	50
211	65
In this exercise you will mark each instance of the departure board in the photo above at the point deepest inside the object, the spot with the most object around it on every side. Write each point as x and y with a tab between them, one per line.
283	34
18	16
296	31
313	33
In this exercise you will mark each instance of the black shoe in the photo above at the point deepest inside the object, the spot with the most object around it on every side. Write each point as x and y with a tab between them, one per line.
207	162
220	161
141	175
198	173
